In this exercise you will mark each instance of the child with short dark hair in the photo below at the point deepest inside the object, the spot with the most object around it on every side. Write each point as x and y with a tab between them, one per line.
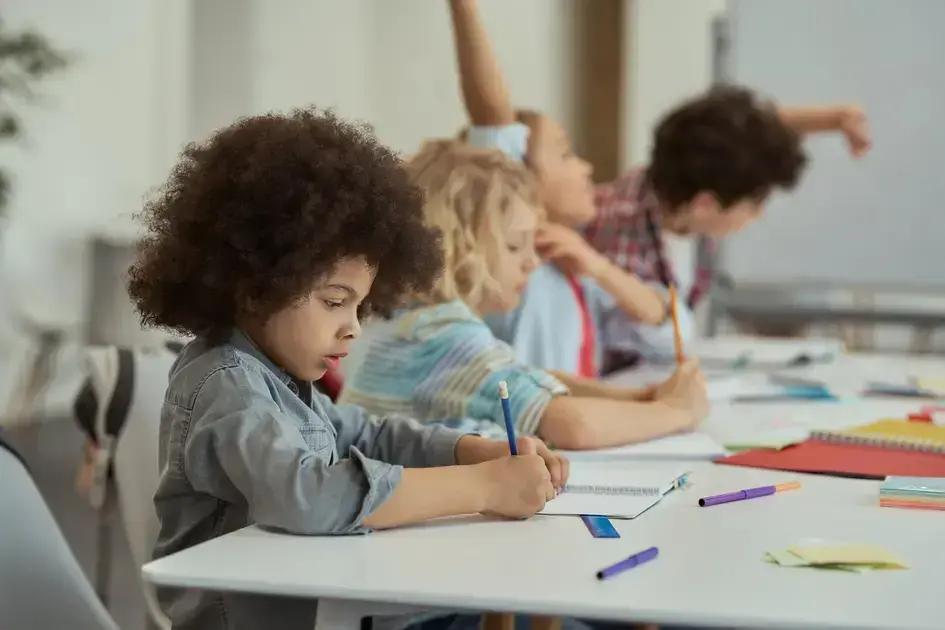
266	244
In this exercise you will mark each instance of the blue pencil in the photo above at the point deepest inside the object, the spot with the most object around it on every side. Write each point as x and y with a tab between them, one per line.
507	412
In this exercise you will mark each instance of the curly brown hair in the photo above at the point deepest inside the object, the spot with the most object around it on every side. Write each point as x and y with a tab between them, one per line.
249	220
726	142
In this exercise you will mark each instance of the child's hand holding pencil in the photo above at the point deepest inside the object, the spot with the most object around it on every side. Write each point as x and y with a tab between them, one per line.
686	395
511	486
516	487
476	450
517	476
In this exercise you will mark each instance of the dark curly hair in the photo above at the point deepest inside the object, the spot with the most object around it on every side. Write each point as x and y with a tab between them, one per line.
726	142
249	220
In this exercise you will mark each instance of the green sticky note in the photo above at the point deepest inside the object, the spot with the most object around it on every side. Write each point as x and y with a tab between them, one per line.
787	559
871	556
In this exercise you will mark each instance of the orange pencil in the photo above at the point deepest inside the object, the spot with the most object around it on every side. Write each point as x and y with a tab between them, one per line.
677	335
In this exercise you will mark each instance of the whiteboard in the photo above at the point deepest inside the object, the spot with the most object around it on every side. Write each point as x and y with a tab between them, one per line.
876	220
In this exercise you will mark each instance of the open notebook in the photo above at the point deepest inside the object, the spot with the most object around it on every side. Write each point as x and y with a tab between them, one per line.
695	446
614	490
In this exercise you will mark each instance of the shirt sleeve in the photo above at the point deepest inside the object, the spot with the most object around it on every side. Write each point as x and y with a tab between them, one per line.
395	439
511	139
240	443
470	387
545	316
530	392
651	341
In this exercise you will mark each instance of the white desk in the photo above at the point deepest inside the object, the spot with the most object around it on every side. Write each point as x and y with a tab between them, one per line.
710	570
846	377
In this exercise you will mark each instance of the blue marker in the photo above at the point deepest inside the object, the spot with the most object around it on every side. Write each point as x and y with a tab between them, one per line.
507	412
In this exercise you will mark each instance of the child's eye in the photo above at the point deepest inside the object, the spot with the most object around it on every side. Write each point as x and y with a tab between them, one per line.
333	303
515	248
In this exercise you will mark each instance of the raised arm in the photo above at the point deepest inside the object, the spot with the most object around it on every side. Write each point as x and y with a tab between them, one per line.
485	94
850	120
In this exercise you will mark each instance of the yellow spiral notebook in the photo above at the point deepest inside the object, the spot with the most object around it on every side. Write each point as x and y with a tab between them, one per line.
898	434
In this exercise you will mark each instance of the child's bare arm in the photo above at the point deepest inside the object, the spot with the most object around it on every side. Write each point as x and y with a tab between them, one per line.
850	120
515	487
639	301
589	387
484	91
567	249
425	493
578	423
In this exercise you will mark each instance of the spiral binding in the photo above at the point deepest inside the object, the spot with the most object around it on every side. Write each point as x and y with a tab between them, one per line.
612	490
921	445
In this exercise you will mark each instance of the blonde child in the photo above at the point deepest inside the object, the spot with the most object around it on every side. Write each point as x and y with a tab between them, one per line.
438	361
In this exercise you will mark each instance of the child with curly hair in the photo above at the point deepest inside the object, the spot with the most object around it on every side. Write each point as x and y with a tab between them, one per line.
266	243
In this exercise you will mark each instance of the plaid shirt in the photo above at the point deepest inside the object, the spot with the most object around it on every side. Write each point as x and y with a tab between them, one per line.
621	233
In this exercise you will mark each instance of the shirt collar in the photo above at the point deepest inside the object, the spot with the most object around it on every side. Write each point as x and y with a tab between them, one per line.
241	341
647	201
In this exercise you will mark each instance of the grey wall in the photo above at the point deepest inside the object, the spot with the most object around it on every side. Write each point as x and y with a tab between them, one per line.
879	219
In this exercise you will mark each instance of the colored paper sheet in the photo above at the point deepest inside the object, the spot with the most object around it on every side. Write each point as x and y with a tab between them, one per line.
848	460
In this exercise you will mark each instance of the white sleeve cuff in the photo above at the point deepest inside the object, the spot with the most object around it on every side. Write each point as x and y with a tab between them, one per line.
511	139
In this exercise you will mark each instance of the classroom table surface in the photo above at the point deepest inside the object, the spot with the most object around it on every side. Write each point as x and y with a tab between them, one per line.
710	570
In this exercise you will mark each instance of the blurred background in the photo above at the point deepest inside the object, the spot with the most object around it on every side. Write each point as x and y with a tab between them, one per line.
856	251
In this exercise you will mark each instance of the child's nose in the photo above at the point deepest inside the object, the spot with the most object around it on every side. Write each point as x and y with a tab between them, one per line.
352	330
532	261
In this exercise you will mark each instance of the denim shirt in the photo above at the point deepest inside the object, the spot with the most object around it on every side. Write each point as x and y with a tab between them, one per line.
242	442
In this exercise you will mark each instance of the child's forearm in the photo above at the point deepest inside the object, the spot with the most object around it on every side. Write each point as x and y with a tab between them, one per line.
850	120
814	119
484	91
576	423
425	493
589	387
637	300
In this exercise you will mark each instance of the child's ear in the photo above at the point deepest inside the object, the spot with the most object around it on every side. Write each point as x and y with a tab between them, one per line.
704	204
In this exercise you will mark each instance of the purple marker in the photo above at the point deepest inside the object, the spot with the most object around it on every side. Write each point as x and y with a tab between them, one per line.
750	493
638	558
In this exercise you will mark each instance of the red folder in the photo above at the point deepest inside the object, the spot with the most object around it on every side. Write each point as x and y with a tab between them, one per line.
844	460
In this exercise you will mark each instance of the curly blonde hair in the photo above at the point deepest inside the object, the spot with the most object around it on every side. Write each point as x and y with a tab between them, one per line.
467	193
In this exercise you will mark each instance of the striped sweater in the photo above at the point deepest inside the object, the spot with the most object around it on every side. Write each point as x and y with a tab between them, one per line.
441	363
